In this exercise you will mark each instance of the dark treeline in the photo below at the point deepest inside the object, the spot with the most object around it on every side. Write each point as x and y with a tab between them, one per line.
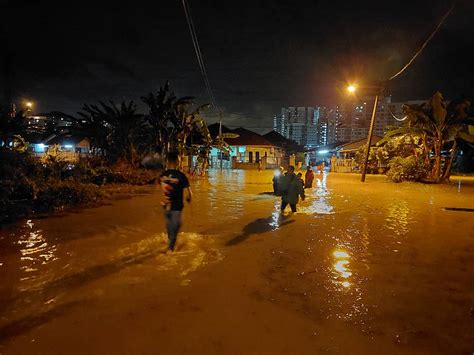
120	138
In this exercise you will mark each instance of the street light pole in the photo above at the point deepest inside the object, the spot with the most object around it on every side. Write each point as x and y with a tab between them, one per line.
369	139
220	136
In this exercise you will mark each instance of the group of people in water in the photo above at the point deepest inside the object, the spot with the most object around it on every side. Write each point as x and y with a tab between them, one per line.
176	188
291	186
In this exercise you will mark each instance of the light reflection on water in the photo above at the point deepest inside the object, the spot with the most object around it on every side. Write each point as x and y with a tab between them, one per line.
348	262
341	268
35	249
223	191
319	198
276	217
398	217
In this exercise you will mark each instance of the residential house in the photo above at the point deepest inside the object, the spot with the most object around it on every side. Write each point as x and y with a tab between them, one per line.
249	150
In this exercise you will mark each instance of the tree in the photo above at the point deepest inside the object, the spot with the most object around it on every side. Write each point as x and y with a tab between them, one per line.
113	128
439	125
171	122
184	123
13	129
161	108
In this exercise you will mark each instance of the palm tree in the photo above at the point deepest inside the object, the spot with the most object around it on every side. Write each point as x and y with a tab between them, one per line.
115	128
184	123
94	129
161	108
170	121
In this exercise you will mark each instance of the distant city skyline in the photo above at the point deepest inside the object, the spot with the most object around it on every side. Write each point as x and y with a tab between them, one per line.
347	121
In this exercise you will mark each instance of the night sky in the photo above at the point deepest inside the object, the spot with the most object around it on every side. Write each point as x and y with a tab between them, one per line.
260	55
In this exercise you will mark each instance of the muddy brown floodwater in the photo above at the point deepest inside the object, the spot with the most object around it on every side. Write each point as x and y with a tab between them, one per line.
374	268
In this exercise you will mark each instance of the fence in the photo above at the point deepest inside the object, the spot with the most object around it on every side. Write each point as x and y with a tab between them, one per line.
344	166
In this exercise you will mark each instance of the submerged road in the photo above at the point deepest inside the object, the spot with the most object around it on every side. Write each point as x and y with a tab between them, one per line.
361	268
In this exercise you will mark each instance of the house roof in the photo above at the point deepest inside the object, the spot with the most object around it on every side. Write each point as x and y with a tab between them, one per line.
247	137
359	143
214	129
65	139
281	141
330	147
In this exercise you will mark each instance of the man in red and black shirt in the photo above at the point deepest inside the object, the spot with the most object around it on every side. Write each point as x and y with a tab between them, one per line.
174	183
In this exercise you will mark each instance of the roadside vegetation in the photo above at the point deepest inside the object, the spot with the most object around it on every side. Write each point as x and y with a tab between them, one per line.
126	148
425	148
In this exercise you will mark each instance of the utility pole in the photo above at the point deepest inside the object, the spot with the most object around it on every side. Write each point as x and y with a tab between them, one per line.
378	91
220	136
369	139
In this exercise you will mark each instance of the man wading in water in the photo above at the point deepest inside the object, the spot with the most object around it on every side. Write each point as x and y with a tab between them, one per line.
291	189
173	182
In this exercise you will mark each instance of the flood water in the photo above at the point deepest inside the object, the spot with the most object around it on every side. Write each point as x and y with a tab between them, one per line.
360	268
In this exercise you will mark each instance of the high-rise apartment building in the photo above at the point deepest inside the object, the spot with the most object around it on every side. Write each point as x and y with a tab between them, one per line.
346	122
300	124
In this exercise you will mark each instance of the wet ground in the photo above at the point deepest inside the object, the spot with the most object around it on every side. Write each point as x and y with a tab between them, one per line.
361	268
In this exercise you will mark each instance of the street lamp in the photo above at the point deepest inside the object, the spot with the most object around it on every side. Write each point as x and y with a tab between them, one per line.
378	89
28	105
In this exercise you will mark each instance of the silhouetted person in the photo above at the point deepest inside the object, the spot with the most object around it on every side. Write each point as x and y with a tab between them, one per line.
321	167
333	163
277	176
300	178
308	178
173	183
291	188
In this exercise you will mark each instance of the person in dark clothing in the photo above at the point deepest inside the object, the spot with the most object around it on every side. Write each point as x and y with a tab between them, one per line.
300	177
276	181
174	183
291	189
308	178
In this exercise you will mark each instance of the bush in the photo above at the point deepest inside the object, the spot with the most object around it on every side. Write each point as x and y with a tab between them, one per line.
12	210
61	194
28	184
406	169
372	163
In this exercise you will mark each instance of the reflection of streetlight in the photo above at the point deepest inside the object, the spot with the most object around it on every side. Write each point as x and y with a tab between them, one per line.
341	267
378	90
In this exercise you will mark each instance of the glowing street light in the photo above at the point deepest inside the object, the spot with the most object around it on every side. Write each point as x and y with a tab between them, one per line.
378	90
351	89
28	105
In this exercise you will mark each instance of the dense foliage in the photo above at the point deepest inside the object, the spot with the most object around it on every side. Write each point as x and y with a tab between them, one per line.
30	185
120	139
435	130
426	147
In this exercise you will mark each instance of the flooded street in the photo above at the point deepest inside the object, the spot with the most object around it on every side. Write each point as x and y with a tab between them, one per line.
360	268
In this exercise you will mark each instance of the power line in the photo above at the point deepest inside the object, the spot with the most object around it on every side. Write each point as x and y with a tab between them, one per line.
197	49
425	43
